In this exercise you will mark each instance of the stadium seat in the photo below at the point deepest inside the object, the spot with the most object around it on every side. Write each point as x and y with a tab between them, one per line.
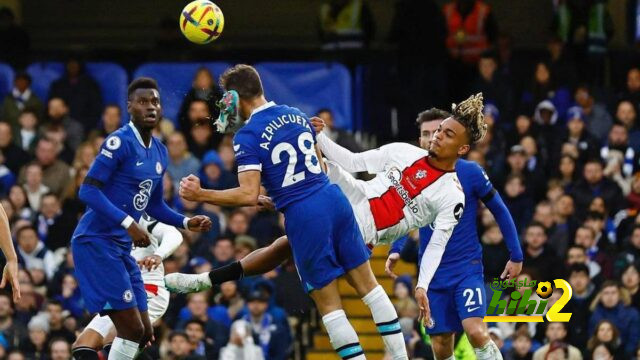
310	87
6	80
111	78
175	81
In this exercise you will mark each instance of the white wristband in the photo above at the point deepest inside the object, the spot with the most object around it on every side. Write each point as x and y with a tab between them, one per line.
185	223
127	222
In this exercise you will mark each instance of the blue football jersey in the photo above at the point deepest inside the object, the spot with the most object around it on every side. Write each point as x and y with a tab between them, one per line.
136	171
279	141
463	253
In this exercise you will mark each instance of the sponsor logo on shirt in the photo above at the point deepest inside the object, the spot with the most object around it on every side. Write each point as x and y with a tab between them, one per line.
394	175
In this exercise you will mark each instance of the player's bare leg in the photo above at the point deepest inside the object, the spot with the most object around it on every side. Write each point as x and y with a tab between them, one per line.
131	331
344	338
384	314
86	345
479	338
442	345
257	262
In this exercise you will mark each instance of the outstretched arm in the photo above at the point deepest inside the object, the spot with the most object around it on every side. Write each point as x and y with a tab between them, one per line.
372	161
244	195
10	272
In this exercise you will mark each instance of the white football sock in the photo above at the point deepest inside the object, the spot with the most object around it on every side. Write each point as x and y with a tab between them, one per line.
122	349
489	351
343	337
386	319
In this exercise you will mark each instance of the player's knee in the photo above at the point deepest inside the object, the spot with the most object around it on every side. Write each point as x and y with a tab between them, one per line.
478	335
442	346
134	331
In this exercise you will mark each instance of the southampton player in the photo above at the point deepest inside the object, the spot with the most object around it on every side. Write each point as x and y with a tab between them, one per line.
457	286
277	146
124	180
164	240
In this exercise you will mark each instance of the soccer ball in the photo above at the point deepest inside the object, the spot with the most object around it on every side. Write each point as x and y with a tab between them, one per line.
201	21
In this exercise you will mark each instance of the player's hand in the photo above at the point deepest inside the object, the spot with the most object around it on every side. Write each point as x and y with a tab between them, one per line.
199	223
265	203
390	264
190	188
423	306
10	275
150	262
511	270
139	237
318	124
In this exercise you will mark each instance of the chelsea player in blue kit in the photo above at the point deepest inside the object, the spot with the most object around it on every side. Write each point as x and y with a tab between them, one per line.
457	290
276	146
124	181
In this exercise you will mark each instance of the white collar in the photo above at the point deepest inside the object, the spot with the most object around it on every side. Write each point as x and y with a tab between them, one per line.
137	134
260	108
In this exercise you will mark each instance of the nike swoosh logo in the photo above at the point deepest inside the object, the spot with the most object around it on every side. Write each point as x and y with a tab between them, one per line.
139	163
473	309
236	147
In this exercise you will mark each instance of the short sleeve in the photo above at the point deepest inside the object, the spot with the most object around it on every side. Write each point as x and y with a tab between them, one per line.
245	148
450	206
112	152
481	183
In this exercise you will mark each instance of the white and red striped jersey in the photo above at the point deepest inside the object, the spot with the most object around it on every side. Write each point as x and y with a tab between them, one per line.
407	193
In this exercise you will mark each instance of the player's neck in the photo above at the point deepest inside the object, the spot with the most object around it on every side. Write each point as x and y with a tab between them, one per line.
254	103
442	164
145	135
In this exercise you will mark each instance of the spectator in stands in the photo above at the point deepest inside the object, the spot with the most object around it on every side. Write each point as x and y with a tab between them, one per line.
597	118
58	117
545	88
70	297
534	181
556	332
596	248
494	248
274	339
339	136
72	206
181	162
54	227
16	355
59	349
180	348
14	39
604	352
632	91
606	333
630	280
594	183
567	171
198	305
202	346
241	344
55	173
577	254
578	135
14	156
222	253
214	175
578	305
345	24
613	305
33	253
203	88
21	98
467	42
201	136
561	64
36	347
111	121
518	201
535	164
54	311
81	92
493	87
538	255
621	165
33	185
230	298
521	347
546	117
13	331
627	115
20	202
27	134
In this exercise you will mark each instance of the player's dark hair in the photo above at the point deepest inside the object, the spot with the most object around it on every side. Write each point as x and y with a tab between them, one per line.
578	268
141	83
469	114
196	321
431	115
244	79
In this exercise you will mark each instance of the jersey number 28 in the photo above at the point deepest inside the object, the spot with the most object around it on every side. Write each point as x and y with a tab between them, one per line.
305	144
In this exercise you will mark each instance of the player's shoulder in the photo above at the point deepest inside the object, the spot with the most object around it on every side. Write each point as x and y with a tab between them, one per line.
465	167
404	150
450	185
118	141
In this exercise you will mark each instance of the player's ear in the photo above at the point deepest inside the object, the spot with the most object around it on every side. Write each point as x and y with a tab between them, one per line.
464	150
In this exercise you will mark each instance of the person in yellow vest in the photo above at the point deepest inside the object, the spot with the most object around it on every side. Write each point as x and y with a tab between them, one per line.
471	29
345	24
